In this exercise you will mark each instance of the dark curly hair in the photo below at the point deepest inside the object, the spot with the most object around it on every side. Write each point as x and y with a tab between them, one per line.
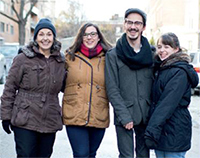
56	46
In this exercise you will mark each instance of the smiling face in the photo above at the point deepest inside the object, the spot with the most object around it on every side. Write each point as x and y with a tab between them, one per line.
90	37
134	26
45	39
164	50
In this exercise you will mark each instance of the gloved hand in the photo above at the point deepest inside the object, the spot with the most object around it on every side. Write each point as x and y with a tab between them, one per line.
6	126
150	143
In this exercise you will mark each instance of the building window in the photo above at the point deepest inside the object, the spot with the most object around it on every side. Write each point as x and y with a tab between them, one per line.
12	11
6	8
2	27
191	23
11	30
190	45
2	6
7	27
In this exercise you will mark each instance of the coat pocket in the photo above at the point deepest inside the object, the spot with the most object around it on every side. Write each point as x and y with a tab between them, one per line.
70	106
129	104
70	94
134	111
20	113
35	75
54	117
101	105
148	73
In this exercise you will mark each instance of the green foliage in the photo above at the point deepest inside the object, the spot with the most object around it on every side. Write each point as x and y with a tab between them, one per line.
69	21
152	41
109	32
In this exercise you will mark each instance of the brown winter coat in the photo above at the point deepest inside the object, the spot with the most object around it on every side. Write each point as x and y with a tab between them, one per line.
85	102
30	97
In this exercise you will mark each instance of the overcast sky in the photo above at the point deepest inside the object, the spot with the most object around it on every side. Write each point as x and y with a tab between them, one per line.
103	9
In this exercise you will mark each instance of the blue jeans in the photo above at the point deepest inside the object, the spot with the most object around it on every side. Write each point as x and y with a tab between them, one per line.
164	154
85	140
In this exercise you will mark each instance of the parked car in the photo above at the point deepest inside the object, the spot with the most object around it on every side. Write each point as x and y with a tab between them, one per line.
195	61
9	51
2	68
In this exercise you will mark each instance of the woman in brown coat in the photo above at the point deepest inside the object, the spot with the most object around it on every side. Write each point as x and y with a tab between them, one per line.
85	104
29	104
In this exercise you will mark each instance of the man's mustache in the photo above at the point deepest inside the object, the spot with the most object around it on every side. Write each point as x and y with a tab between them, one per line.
136	30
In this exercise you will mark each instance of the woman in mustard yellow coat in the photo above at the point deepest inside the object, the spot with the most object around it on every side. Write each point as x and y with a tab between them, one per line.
85	104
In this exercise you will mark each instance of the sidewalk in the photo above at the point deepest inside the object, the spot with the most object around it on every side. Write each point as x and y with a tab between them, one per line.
108	148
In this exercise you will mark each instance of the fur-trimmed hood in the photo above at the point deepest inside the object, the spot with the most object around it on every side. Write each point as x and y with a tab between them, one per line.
180	60
176	57
27	51
32	50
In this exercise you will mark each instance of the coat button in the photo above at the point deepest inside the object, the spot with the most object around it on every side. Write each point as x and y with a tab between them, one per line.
97	86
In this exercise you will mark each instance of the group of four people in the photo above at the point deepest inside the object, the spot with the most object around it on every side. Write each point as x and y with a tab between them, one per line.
149	93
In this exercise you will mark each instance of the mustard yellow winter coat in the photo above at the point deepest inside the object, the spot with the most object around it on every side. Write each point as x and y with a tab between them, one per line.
85	102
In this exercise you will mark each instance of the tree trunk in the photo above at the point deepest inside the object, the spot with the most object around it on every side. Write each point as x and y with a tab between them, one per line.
22	33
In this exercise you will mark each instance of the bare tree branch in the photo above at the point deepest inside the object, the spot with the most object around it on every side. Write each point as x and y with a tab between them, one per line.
31	7
11	18
13	8
21	18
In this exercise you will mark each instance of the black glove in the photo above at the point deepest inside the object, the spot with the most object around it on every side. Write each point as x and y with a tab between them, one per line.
150	143
6	126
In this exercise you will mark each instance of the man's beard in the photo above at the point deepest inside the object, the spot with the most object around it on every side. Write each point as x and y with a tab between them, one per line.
133	38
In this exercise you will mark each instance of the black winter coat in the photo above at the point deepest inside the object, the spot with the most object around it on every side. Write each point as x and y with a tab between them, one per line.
170	126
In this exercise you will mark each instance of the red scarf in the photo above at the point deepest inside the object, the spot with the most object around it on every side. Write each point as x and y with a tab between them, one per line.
90	53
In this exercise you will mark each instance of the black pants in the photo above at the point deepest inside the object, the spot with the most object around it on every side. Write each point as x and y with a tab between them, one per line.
31	144
126	144
85	140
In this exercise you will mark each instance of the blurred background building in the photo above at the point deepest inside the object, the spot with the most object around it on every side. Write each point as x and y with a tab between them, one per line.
9	29
179	16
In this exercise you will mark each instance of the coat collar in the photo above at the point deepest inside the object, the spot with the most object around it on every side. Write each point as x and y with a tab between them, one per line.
176	57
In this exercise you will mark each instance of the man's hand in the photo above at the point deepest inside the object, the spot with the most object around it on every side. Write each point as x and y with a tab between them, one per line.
129	125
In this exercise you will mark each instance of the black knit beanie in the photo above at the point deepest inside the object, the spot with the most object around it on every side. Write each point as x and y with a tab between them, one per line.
44	23
136	10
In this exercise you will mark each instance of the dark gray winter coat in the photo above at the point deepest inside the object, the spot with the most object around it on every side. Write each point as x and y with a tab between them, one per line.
128	90
30	97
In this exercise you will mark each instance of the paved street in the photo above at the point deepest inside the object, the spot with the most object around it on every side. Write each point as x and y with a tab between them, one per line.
108	148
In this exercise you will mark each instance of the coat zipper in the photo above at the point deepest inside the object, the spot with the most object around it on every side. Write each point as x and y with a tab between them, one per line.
99	63
90	100
46	90
38	75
